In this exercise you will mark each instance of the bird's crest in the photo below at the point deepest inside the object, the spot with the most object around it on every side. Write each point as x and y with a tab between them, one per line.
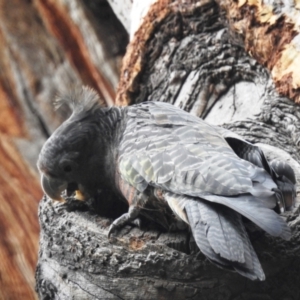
80	99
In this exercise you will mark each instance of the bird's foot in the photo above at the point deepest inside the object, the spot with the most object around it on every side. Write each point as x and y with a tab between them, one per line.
129	217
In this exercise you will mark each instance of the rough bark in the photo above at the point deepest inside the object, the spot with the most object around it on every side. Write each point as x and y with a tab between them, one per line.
270	32
186	53
45	46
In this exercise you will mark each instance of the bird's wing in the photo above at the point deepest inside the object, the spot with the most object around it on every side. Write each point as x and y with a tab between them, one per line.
165	147
281	172
244	149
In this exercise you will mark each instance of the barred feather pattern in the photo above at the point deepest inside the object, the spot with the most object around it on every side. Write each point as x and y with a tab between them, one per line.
221	236
281	172
206	182
168	147
195	157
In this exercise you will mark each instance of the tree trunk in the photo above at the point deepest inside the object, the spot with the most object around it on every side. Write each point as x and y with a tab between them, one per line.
231	63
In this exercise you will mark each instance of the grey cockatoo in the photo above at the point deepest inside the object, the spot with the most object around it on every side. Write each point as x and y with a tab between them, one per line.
159	156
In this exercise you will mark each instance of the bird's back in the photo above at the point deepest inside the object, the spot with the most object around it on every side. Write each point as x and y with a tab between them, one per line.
205	181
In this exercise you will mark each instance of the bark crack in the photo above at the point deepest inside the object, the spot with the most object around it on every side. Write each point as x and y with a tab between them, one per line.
108	291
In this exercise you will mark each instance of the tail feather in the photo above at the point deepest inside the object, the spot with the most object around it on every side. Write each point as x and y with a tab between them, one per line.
219	229
254	210
281	172
199	233
222	238
252	268
285	179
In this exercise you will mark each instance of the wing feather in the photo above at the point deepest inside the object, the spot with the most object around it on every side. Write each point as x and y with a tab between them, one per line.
168	148
219	234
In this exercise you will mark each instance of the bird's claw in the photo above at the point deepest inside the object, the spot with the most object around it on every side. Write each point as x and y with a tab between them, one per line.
111	229
126	218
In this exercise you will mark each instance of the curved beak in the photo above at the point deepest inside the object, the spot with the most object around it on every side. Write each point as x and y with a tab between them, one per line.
53	187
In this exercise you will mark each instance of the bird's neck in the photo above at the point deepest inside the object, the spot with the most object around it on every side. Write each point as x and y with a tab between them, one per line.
112	123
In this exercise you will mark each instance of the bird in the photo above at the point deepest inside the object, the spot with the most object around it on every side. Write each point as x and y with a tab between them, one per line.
170	166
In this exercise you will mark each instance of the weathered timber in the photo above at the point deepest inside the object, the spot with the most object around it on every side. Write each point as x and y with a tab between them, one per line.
269	33
78	261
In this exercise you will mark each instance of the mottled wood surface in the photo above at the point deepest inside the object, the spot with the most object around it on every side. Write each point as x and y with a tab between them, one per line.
270	32
267	32
78	261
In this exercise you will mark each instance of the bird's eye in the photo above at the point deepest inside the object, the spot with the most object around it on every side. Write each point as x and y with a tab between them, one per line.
68	165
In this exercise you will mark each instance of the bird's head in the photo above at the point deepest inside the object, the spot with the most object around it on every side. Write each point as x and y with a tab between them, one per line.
72	158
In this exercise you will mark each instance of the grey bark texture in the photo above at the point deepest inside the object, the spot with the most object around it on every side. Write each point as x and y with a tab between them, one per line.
192	61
